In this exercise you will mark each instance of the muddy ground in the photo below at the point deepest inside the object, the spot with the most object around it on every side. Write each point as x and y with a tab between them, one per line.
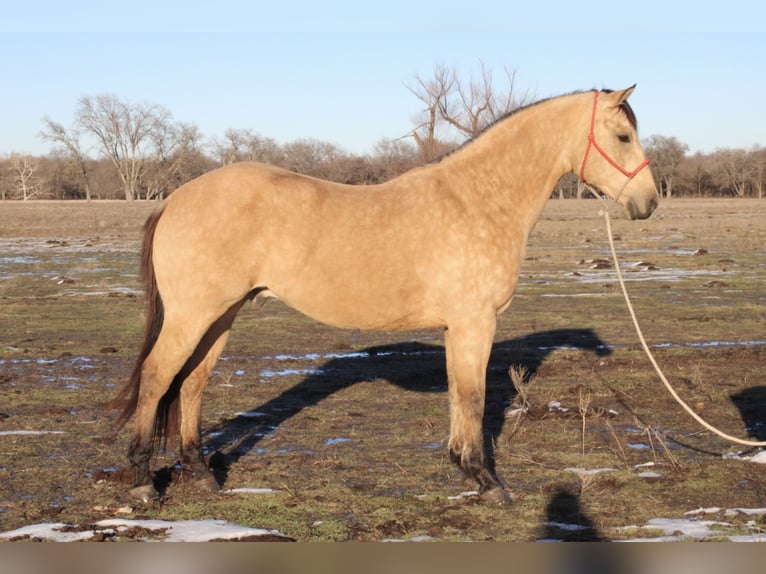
326	434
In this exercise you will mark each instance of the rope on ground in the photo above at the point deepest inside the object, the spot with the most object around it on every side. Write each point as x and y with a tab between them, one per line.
649	353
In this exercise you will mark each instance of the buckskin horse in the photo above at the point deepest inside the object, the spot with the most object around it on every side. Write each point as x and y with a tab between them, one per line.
438	247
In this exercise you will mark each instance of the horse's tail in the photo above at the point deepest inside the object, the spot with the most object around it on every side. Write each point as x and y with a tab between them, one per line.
127	399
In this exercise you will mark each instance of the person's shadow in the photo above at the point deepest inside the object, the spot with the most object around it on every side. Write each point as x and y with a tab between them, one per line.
752	408
413	366
566	521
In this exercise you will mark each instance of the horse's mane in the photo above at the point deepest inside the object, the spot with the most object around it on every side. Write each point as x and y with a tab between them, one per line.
624	107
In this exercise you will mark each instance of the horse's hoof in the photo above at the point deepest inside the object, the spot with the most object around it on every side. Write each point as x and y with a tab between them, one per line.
496	495
144	493
207	484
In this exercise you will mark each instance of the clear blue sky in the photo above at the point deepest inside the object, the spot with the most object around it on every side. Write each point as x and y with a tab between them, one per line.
336	71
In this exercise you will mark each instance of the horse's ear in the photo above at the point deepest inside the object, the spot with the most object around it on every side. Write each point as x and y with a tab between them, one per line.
621	97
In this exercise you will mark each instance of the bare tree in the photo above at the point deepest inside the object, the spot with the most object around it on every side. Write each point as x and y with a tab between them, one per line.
124	132
695	175
23	169
666	154
246	145
433	93
571	186
734	169
311	157
5	176
479	104
393	157
69	141
758	155
176	151
455	106
265	150
227	149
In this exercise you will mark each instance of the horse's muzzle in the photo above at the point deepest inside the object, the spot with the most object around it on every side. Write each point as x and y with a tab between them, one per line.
637	209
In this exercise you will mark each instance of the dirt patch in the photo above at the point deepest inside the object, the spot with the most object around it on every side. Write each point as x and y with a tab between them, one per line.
341	435
59	221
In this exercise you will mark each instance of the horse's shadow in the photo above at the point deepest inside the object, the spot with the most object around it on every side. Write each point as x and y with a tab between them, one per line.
413	366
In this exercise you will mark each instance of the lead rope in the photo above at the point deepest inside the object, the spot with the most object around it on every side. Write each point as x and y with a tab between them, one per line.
648	351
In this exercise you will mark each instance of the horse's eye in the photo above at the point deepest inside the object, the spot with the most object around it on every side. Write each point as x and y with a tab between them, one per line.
624	138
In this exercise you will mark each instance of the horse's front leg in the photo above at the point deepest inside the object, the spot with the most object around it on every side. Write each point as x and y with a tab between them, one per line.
468	345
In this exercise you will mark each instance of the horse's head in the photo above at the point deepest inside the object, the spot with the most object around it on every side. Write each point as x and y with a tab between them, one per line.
614	162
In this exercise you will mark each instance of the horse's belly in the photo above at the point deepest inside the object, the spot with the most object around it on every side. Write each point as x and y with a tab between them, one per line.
353	309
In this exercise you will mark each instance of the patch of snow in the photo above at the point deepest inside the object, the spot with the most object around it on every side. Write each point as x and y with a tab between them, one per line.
759	457
47	531
709	510
251	491
464	494
180	531
746	511
680	529
735	455
566	526
591	471
270	374
191	530
673	529
556	406
423	538
251	414
120	510
339	440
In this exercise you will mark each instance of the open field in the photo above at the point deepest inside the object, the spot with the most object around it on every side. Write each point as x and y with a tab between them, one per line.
346	430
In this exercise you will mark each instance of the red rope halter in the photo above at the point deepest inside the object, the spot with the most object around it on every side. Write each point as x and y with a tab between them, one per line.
593	143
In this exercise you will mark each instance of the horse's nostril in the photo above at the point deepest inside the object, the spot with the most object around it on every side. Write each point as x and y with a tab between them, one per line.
651	205
639	209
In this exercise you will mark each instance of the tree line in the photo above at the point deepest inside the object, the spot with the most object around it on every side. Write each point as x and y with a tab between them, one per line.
115	149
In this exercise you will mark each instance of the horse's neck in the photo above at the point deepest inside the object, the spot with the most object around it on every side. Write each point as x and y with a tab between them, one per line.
515	165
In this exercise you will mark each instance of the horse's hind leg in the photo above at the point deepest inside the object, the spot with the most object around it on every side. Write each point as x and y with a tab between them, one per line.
191	406
192	388
159	369
176	343
468	345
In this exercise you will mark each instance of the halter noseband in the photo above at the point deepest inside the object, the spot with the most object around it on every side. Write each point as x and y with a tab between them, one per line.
593	143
